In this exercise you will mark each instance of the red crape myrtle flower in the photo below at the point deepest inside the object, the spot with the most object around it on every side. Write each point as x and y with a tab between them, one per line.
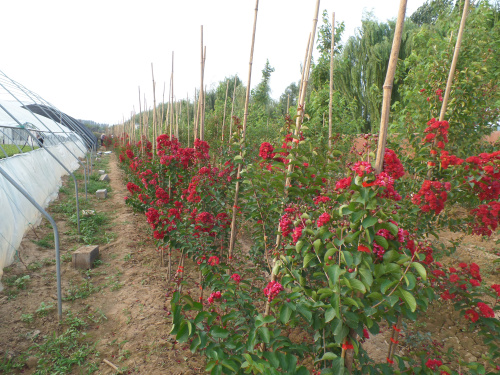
471	315
214	296
236	278
213	260
323	219
392	165
496	288
433	364
272	290
485	310
266	151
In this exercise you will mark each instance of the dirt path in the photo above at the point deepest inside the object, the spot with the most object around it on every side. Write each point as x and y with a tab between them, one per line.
128	298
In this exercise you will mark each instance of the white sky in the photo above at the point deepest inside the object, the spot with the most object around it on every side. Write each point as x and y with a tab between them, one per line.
88	58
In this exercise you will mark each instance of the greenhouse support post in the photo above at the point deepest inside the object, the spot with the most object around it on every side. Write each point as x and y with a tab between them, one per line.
56	236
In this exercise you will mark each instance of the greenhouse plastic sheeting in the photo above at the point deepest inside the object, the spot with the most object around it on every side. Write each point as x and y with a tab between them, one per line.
40	175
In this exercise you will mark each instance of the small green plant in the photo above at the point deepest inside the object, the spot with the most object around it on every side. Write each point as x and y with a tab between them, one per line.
46	242
27	318
48	261
81	291
34	266
21	282
127	257
44	309
96	316
67	257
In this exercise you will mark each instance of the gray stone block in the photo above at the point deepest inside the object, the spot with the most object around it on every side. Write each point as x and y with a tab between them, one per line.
104	177
101	193
102	171
85	256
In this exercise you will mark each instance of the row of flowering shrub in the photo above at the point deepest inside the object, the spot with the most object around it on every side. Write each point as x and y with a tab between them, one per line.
346	248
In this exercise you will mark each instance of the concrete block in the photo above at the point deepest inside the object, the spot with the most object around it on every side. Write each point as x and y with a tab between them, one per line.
102	171
101	193
85	256
104	177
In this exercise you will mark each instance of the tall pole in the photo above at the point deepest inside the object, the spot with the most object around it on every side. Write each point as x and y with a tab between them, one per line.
245	118
224	118
454	61
389	79
330	105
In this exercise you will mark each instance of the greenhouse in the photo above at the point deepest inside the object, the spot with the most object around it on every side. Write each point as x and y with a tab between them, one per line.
38	145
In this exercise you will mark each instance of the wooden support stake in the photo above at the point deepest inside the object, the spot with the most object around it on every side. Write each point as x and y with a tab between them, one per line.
454	61
232	111
389	79
154	111
330	104
245	118
224	118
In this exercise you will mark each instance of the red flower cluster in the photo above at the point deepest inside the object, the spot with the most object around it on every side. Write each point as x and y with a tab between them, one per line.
133	188
266	151
343	183
485	310
496	288
447	160
153	217
130	154
487	217
213	260
272	290
362	167
236	278
321	199
437	131
285	225
434	196
433	364
392	165
323	219
213	296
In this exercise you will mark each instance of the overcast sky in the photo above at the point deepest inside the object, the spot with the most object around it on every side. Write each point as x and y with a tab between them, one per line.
88	58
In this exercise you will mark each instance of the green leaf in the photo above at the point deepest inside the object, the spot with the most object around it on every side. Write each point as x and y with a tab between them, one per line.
308	258
329	314
219	332
369	222
317	245
352	237
358	285
264	334
382	241
229	364
285	314
366	276
347	258
334	273
420	269
183	333
328	356
338	366
408	298
304	312
299	245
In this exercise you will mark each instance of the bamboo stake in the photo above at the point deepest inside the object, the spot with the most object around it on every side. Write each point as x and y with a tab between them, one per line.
287	103
389	79
454	61
224	118
232	111
201	94
197	116
172	98
245	118
141	130
202	110
304	68
187	105
177	120
170	109
162	108
154	111
330	105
